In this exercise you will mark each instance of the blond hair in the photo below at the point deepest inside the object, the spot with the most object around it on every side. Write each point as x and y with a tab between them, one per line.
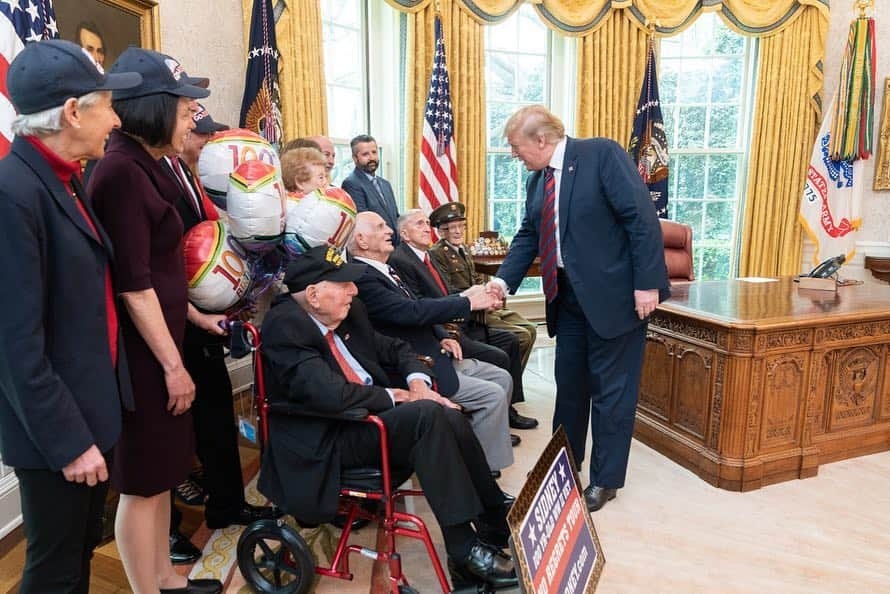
295	166
533	121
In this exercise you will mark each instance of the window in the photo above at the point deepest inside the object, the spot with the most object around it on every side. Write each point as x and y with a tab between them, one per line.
705	82
517	72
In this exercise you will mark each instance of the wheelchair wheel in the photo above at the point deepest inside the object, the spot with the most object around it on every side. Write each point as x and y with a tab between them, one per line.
275	559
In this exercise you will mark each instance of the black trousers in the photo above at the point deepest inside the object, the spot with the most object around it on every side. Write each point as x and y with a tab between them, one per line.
62	524
215	432
504	341
439	445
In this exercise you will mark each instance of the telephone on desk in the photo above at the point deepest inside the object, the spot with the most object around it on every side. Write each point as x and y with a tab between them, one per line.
827	267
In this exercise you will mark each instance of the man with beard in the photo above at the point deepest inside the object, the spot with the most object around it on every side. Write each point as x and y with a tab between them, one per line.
368	191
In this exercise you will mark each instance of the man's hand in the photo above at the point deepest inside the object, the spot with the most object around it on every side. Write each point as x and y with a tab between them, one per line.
87	468
645	302
418	390
495	289
180	388
483	299
452	346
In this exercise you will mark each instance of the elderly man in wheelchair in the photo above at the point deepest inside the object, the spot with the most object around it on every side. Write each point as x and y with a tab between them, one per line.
323	360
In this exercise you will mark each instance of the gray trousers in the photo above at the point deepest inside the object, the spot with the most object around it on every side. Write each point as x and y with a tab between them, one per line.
484	391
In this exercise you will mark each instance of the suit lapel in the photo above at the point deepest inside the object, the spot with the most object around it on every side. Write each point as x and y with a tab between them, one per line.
566	183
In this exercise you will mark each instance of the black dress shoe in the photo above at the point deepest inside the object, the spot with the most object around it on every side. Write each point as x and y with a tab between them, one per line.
515	440
483	564
509	500
596	497
495	474
357	524
197	587
182	551
518	421
248	514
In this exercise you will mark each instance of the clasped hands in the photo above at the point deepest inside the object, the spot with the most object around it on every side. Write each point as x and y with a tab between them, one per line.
486	297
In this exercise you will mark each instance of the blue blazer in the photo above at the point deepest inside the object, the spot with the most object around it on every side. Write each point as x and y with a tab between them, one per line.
366	197
609	235
59	391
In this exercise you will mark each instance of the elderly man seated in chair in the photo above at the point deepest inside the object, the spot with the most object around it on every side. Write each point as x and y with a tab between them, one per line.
322	356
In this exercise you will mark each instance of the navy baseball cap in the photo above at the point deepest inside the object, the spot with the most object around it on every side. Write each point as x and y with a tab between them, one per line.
321	263
160	74
47	73
204	124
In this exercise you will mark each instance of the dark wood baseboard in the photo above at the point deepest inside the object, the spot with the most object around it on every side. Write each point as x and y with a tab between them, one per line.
8	542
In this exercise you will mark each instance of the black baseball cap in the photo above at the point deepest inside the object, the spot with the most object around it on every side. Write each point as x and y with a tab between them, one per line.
319	264
204	124
160	74
47	73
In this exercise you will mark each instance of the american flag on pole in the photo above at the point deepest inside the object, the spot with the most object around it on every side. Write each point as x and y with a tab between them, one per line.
438	171
21	21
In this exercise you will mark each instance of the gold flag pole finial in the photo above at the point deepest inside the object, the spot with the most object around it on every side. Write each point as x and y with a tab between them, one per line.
437	7
862	6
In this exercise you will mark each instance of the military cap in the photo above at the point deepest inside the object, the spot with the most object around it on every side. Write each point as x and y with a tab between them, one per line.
448	212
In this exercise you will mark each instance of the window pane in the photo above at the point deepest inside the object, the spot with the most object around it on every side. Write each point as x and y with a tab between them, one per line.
343	164
692	81
667	114
348	107
531	284
501	82
727	41
723	131
343	66
690	213
719	218
726	81
530	73
691	176
504	173
667	81
722	170
715	263
532	32
504	219
503	36
691	127
343	12
497	117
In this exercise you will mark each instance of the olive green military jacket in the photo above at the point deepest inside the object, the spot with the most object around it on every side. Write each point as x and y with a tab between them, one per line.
458	271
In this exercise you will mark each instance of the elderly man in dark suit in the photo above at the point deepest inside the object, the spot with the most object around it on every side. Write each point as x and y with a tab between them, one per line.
369	191
323	356
589	217
413	261
63	374
481	388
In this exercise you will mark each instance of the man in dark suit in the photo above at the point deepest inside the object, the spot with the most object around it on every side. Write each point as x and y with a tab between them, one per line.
63	374
369	191
411	259
204	359
589	217
323	356
481	388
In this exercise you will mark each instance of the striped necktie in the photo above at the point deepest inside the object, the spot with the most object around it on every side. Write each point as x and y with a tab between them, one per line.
348	371
547	236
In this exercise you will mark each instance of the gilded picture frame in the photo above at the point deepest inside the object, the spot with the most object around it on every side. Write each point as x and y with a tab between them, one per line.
882	156
105	28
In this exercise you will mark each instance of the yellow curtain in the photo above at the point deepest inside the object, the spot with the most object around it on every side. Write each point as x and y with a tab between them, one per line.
611	65
464	44
786	121
482	11
300	67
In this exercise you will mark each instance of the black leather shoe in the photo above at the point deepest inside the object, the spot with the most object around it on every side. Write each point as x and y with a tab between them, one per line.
515	440
357	524
197	587
485	564
596	497
518	421
182	551
248	514
509	500
495	474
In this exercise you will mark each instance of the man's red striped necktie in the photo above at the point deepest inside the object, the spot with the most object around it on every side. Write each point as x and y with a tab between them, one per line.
347	370
547	236
435	273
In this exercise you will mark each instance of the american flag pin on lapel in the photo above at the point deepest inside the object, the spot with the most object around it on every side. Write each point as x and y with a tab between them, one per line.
571	168
346	337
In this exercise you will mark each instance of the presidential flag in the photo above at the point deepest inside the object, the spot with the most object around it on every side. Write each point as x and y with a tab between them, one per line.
830	210
648	145
21	22
438	171
261	106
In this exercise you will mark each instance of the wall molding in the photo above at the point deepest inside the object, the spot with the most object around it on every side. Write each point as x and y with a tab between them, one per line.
10	505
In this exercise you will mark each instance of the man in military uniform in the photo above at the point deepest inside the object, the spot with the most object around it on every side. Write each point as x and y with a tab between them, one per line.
453	260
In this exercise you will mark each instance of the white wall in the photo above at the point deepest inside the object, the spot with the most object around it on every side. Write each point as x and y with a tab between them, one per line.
874	236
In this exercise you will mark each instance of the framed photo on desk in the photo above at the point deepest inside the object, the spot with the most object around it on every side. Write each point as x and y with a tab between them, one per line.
105	28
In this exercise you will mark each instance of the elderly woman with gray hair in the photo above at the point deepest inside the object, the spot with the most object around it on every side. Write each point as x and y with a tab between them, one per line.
63	374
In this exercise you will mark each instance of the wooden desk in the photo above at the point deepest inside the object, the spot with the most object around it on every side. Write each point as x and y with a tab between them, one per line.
489	265
748	384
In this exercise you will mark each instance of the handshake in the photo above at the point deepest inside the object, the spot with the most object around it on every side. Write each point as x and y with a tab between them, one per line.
488	297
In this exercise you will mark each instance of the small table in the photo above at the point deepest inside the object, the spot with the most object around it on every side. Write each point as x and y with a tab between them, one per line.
489	265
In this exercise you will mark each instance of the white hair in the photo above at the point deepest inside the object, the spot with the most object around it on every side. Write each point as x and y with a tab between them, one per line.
406	217
49	121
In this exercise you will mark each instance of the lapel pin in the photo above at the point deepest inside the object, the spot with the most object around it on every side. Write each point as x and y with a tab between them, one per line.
571	168
345	337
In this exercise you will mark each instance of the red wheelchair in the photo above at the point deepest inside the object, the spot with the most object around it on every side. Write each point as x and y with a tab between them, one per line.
274	558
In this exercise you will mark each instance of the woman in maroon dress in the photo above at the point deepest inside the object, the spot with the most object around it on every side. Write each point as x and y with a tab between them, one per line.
135	200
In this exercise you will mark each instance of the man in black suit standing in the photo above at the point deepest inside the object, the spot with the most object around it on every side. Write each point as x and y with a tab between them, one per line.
63	374
323	356
590	219
368	190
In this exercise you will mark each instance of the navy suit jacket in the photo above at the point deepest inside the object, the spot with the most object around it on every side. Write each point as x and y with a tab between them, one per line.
301	464
414	320
609	234
60	393
366	197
